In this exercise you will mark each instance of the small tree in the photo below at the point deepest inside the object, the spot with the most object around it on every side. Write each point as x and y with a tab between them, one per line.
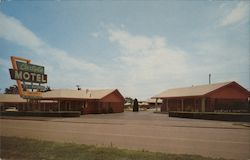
47	89
135	106
129	100
11	90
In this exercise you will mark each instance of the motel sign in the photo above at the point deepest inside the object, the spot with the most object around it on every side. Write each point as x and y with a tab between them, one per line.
29	77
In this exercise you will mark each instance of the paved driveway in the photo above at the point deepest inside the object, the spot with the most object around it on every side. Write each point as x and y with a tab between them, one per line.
143	130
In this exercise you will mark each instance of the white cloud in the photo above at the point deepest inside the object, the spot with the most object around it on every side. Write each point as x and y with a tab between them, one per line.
4	64
95	34
147	61
240	12
225	62
149	53
150	65
131	43
13	30
58	60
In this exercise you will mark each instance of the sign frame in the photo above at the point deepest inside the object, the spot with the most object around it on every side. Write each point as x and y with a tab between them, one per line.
24	93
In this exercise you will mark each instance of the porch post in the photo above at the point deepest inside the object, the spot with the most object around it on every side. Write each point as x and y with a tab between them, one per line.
27	105
194	109
39	104
182	104
59	105
156	105
99	107
203	104
167	105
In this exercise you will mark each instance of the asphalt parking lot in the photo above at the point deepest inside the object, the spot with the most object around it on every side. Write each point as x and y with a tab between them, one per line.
141	131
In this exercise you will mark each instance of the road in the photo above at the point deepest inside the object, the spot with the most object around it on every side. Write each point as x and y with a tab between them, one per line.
143	130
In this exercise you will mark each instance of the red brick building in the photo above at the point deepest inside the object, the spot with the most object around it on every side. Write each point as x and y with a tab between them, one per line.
85	101
227	96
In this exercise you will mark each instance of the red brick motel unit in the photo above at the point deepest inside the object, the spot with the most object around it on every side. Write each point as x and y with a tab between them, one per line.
15	101
85	101
227	96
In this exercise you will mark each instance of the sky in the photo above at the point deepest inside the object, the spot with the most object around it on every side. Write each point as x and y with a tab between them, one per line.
139	47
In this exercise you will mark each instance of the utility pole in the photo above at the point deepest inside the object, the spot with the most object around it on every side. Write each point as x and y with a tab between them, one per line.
209	76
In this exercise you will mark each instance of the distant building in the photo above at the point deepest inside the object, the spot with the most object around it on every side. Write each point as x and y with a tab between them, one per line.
227	96
85	101
152	102
127	105
143	104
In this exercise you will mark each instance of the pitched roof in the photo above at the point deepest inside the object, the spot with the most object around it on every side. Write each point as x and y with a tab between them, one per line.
199	90
8	98
11	98
61	94
77	94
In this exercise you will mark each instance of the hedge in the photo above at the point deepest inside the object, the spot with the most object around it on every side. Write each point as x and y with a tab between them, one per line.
235	117
43	114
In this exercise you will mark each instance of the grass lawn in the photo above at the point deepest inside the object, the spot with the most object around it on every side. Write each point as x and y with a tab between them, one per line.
29	149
